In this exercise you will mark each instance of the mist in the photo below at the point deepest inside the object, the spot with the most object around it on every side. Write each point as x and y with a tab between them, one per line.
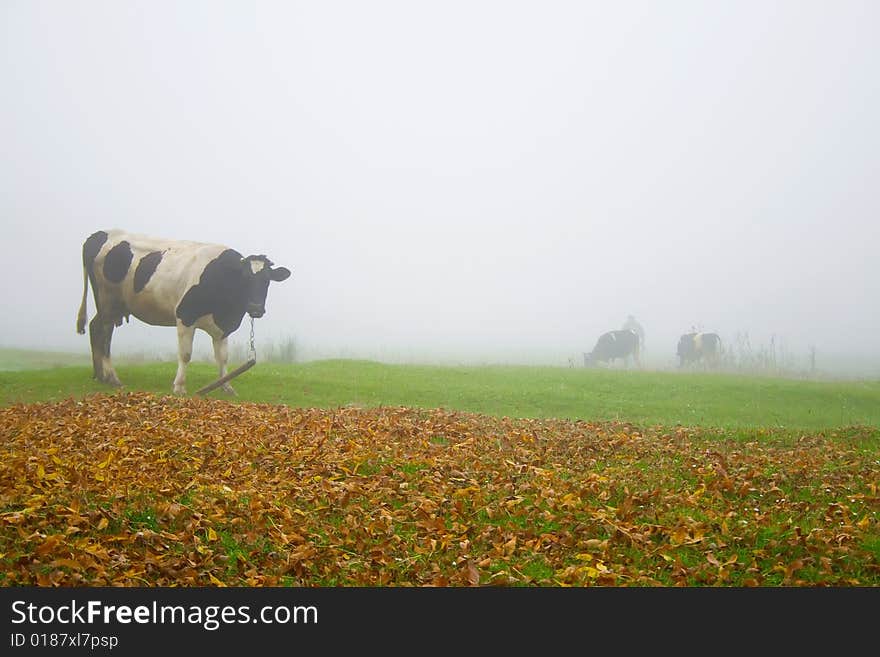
458	182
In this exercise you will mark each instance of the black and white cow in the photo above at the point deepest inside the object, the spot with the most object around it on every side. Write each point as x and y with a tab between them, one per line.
612	345
190	285
699	347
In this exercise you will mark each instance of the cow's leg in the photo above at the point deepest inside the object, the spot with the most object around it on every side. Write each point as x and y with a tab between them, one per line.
100	335
221	355
109	373
184	355
96	338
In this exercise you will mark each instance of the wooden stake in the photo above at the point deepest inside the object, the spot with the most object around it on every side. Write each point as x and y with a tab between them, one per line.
229	376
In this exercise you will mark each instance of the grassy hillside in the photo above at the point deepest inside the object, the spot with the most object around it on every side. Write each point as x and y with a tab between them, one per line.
647	398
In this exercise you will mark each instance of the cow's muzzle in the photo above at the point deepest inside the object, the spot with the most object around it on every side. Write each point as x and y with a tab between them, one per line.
256	311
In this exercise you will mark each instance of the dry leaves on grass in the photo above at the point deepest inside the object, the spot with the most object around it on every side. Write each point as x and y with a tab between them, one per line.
135	489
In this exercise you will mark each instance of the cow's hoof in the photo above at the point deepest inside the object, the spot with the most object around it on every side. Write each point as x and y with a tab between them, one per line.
179	390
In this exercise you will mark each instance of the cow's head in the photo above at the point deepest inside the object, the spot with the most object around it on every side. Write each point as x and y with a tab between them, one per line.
258	272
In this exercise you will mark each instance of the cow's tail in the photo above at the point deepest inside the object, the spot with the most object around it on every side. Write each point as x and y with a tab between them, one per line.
81	316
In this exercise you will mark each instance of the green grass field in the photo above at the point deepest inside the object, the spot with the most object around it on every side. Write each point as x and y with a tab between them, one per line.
356	473
646	398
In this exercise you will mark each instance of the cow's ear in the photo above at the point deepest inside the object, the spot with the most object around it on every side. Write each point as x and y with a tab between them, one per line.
280	274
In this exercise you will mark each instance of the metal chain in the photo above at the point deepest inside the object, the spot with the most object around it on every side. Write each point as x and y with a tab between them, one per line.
252	354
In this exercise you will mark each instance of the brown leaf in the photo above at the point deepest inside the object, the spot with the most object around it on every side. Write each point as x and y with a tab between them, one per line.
473	575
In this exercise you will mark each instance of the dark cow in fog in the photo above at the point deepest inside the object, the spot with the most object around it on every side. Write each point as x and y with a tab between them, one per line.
699	347
612	345
190	285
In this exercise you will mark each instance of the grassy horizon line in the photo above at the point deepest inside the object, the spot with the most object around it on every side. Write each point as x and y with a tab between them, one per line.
726	401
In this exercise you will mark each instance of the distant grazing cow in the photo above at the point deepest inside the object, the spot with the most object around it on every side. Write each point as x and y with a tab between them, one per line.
612	345
697	347
163	282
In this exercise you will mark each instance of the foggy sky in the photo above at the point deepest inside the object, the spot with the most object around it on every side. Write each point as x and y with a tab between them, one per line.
482	181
